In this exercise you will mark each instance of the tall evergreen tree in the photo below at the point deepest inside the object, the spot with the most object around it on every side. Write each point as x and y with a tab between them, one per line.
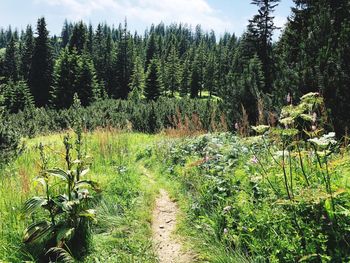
40	77
153	85
137	83
17	96
66	33
124	62
185	79
78	38
172	71
86	84
65	79
11	61
210	74
151	49
27	53
259	34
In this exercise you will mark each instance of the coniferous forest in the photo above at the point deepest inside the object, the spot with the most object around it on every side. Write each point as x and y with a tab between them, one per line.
248	133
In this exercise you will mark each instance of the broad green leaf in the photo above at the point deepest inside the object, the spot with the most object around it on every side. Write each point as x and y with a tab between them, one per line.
59	173
34	203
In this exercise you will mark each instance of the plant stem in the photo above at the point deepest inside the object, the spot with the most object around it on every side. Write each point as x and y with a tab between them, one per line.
285	173
302	165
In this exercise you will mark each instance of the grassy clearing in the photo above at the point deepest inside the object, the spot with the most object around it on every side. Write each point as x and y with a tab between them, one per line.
122	231
233	208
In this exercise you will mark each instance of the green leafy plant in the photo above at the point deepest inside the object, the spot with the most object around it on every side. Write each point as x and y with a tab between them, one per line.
63	213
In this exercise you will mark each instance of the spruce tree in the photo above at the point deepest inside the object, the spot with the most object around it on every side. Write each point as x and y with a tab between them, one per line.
151	49
27	53
153	85
17	96
210	74
65	79
66	33
40	77
78	38
172	71
259	34
137	84
10	61
124	62
86	84
185	78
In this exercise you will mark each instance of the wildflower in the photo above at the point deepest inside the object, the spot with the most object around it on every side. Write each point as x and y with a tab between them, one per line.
254	160
225	231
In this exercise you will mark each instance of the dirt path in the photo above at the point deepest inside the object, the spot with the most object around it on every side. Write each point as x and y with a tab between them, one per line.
168	247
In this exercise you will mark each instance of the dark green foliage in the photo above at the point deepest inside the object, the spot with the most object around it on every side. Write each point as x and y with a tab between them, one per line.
10	67
154	85
172	71
65	79
9	141
74	73
118	113
151	50
87	87
40	77
27	53
259	36
78	39
137	83
312	55
17	96
124	60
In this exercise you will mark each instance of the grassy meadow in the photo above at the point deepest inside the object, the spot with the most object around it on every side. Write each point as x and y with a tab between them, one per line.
279	196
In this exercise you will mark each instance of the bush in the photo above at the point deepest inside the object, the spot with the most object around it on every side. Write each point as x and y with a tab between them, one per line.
9	141
149	117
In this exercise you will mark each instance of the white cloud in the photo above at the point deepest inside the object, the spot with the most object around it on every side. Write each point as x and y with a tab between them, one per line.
145	12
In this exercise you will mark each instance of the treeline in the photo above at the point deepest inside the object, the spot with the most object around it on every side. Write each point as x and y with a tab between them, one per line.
252	74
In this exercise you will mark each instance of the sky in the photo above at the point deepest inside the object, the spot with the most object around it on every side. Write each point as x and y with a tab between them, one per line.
220	15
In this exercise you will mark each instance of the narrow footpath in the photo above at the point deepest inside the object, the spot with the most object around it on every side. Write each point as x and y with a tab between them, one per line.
168	247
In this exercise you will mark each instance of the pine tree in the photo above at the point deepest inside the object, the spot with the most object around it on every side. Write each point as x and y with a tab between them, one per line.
124	62
153	85
65	79
17	96
79	37
137	84
172	71
86	84
27	53
151	49
259	34
40	77
197	78
90	40
11	61
185	78
66	33
210	74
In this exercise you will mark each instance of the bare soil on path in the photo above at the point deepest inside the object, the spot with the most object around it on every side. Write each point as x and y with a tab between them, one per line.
168	247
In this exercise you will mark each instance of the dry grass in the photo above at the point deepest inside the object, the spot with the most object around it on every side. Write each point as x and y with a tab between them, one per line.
192	126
